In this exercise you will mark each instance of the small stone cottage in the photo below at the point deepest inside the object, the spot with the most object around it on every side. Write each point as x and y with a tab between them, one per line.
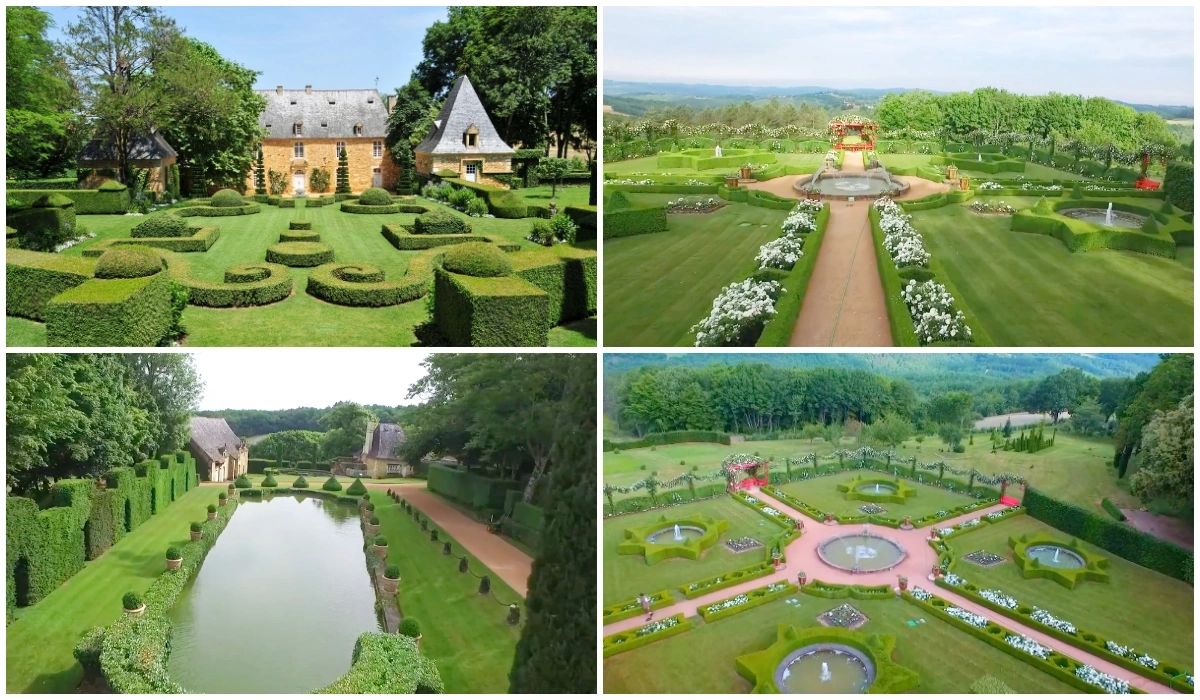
463	142
98	160
306	129
220	454
379	457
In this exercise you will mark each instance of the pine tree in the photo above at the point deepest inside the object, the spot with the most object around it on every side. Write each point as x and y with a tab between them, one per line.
343	173
260	175
1007	432
557	650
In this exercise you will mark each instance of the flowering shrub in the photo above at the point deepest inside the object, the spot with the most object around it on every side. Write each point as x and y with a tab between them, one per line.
966	616
657	626
1027	645
1051	621
954	579
1131	653
989	185
782	253
943	531
799	222
808	206
992	208
900	239
737	313
999	598
933	312
730	603
1107	683
920	593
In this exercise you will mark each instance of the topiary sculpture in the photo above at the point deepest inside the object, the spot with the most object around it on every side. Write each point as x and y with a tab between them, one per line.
477	260
128	262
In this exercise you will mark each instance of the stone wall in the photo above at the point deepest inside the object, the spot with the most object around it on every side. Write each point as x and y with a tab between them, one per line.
493	164
322	153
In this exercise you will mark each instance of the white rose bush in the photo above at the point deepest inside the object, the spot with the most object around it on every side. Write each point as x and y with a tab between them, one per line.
934	316
781	253
740	308
900	239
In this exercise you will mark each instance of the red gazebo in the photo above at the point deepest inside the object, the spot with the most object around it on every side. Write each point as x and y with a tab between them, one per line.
854	124
746	472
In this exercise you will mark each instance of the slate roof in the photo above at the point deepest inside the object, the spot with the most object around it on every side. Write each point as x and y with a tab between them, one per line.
461	110
339	110
141	147
211	434
385	441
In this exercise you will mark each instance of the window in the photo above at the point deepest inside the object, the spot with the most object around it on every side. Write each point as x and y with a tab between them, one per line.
377	149
297	129
471	136
325	124
358	129
395	469
298	150
337	150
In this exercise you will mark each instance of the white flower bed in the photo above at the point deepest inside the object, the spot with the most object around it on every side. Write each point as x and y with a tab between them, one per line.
967	616
782	253
657	626
777	586
1000	514
726	604
989	185
954	579
900	239
1146	660
1040	188
738	307
943	531
1118	649
1131	653
1105	682
771	511
933	312
999	598
921	594
1027	645
799	222
808	206
1051	621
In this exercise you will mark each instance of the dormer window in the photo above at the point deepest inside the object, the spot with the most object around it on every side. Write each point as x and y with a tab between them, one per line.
358	129
324	125
297	129
471	137
293	102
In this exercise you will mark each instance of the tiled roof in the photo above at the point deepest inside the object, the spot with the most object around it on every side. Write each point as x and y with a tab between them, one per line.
386	440
461	111
338	110
209	435
141	147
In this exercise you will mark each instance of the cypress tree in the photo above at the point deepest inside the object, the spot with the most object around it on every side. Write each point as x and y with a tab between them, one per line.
260	175
343	173
557	650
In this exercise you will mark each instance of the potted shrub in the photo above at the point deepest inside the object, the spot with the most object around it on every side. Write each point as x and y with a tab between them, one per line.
409	627
174	558
222	499
195	532
746	172
731	181
231	488
446	548
776	557
485	585
433	536
380	547
212	512
391	578
514	614
373	526
907	524
903	580
132	602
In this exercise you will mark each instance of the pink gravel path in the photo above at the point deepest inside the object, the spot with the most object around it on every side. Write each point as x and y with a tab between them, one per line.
917	566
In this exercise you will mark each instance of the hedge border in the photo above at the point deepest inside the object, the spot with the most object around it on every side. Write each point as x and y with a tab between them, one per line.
778	331
626	609
634	540
757	596
625	641
759	667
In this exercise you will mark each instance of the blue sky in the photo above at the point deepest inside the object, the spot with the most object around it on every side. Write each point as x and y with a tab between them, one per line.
327	47
1136	54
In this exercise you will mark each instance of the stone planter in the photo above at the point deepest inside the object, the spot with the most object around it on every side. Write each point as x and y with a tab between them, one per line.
390	584
380	552
212	516
937	570
372	530
777	561
907	524
746	173
174	564
232	488
136	613
903	583
196	536
801	578
731	182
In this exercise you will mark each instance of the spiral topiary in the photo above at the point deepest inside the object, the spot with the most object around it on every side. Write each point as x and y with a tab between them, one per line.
227	198
375	196
162	225
477	260
128	262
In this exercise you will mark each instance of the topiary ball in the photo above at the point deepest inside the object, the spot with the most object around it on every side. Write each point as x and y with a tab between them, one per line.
53	201
227	198
161	226
111	186
128	262
477	260
374	196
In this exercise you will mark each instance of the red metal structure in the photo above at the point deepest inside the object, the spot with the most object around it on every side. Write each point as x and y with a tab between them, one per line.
747	475
863	127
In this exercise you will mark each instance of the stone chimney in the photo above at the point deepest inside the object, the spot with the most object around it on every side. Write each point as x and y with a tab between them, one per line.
278	89
308	89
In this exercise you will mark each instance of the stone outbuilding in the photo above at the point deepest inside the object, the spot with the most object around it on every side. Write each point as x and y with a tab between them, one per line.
149	151
220	454
379	457
306	129
463	141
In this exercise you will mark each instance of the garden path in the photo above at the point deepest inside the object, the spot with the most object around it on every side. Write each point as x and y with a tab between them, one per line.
505	560
802	557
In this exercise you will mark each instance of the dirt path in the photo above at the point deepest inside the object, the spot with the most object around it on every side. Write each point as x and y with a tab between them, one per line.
802	556
1163	527
505	560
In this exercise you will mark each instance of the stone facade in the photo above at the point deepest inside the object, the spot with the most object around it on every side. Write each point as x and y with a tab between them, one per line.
493	164
278	155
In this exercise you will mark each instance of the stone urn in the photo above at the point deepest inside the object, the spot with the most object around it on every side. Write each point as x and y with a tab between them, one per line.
136	613
937	570
933	533
828	519
907	524
746	172
801	578
380	550
776	559
222	499
196	535
174	564
232	488
903	581
390	584
212	515
731	182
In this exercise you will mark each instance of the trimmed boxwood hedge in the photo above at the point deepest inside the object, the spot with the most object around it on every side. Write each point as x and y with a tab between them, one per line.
1080	235
387	663
243	210
200	240
630	639
904	332
835	591
110	198
632	607
49	222
357	208
695	589
668	438
299	225
778	331
33	279
161	225
490	311
477	260
1110	508
356	488
758	667
757	597
363	284
128	262
502	203
256	284
113	312
623	218
292	236
480	493
1179	183
402	238
567	275
300	254
1118	538
225	199
634	540
440	221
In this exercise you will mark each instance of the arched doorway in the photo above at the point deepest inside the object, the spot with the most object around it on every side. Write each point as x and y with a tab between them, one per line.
21	581
128	515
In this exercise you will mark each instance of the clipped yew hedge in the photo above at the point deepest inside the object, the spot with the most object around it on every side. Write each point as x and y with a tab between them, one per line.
199	240
112	312
630	639
299	236
402	237
359	208
243	210
490	311
161	225
1080	235
128	262
623	218
387	663
567	275
33	279
440	221
363	284
255	284
1179	183
110	198
778	331
300	254
899	318
758	596
356	488
668	438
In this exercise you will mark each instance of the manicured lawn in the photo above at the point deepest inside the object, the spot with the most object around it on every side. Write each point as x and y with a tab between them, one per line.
568	195
626	575
1137	607
300	319
1075	469
464	632
41	639
658	285
23	333
1027	289
577	334
822	493
1033	171
702	660
649	165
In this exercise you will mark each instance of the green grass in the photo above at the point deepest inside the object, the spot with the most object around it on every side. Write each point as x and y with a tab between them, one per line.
649	165
658	285
577	334
567	196
41	639
301	319
23	333
1075	469
627	575
702	660
1027	289
463	632
822	493
1033	171
1137	607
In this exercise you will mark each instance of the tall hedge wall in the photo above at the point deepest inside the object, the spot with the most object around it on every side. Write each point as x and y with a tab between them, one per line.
669	438
524	524
109	199
490	311
47	546
1178	184
566	275
1120	539
112	312
472	490
36	278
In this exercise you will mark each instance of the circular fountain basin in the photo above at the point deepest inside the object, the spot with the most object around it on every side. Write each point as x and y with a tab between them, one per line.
879	488
851	185
862	553
666	535
1054	556
825	668
1120	219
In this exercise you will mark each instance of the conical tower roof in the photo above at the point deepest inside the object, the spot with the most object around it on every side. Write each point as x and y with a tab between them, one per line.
462	111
